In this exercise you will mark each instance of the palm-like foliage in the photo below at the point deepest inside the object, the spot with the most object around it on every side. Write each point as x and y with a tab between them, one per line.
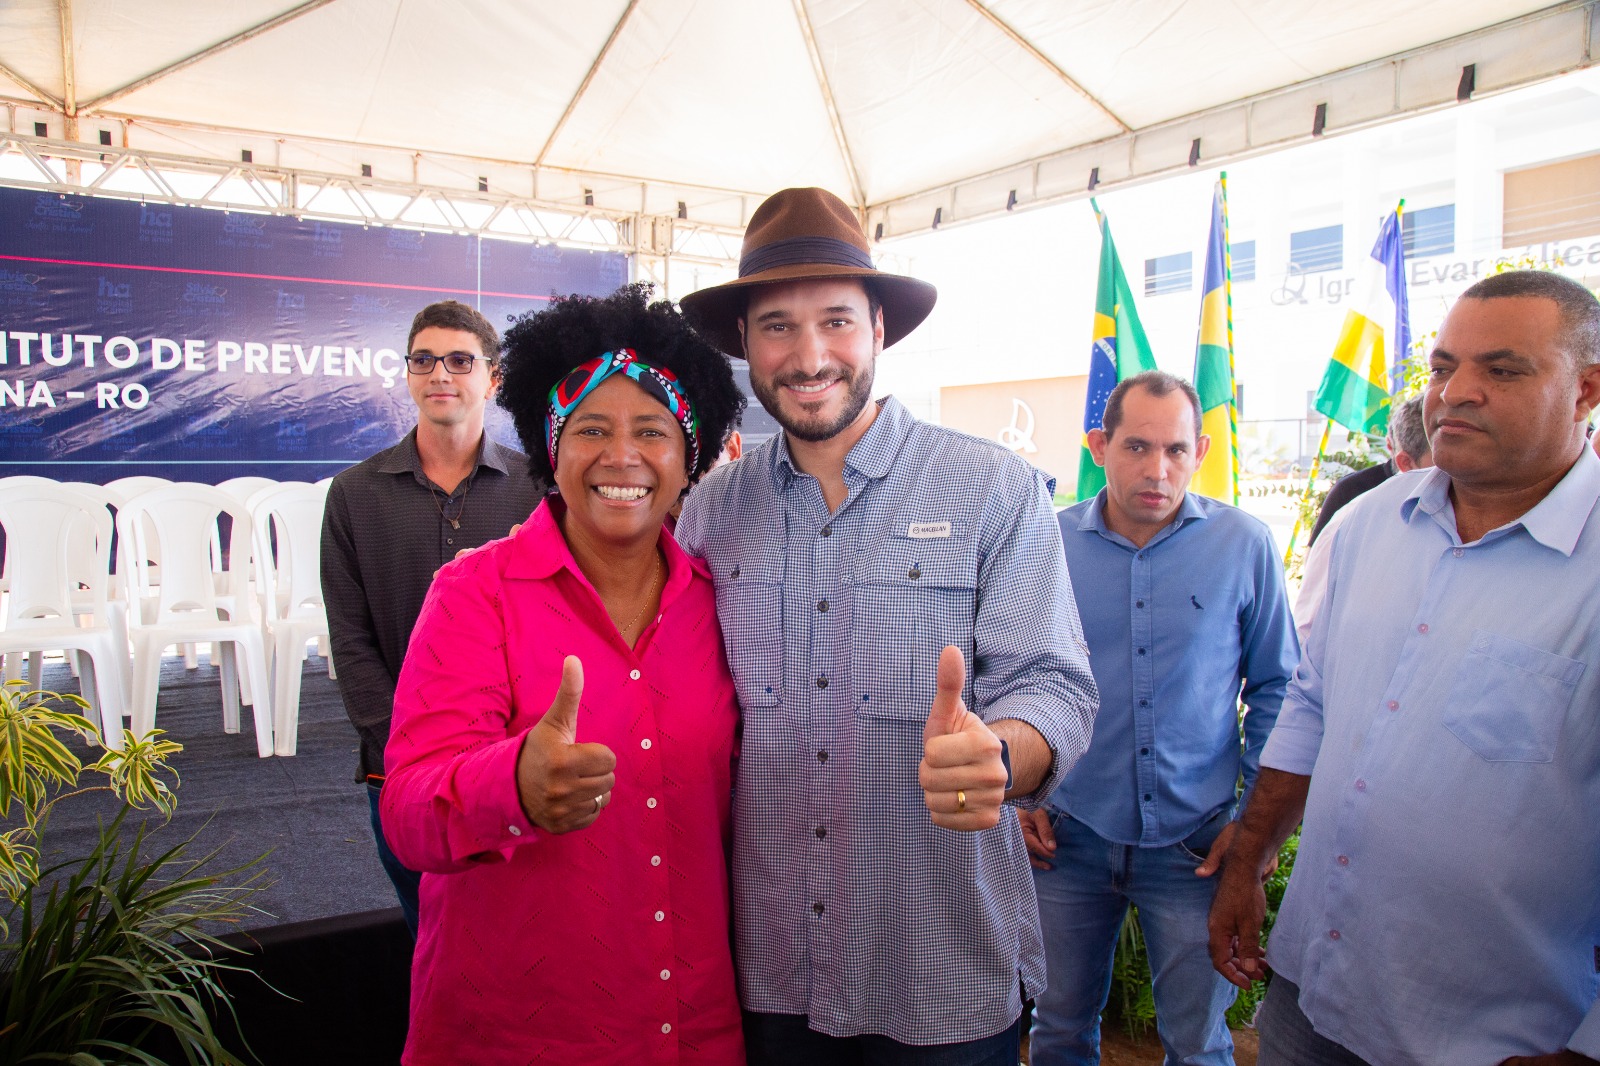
104	950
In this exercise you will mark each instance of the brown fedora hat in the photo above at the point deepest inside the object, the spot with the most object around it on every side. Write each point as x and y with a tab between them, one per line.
796	235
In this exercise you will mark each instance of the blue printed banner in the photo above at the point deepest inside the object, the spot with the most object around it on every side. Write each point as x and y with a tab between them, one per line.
200	345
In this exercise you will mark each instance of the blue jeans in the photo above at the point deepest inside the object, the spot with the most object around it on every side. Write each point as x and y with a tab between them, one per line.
407	882
1082	904
787	1040
1287	1038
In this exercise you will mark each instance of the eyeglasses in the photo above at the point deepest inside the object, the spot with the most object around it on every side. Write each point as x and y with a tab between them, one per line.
455	362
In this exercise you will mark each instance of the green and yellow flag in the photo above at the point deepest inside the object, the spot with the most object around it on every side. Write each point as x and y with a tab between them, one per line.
1218	475
1120	350
1374	341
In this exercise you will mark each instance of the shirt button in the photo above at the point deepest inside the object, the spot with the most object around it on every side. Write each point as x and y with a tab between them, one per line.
661	916
1344	860
822	682
513	830
655	860
1458	553
821	832
1147	797
666	1027
449	540
645	743
1141	651
1138	603
827	531
1423	628
651	803
735	572
1333	934
822	605
633	675
1144	751
1361	786
1144	703
666	974
817	908
1394	705
914	573
822	756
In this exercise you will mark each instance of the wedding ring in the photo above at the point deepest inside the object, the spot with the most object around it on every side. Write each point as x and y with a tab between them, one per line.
961	801
598	804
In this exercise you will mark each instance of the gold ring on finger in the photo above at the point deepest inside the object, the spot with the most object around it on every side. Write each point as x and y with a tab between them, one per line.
961	801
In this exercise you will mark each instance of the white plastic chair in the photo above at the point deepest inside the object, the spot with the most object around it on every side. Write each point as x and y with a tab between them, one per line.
57	544
288	556
35	658
187	606
124	488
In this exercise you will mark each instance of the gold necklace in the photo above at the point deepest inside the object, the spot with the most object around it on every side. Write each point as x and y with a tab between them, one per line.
649	595
433	494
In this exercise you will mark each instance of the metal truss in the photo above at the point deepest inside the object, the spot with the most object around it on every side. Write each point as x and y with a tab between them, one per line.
71	167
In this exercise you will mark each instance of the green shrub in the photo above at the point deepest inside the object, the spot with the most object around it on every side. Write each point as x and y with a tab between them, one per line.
102	951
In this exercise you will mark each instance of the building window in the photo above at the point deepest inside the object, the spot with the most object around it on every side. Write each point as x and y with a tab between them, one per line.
1429	231
1244	260
1169	273
1552	202
1313	250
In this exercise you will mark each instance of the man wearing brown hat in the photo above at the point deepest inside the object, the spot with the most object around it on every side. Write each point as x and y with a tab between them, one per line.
897	614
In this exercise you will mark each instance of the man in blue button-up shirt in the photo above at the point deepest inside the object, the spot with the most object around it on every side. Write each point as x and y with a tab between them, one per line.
1183	605
1441	736
900	627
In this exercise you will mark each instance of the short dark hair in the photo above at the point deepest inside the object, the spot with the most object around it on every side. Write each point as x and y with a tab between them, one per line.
1157	383
1405	425
1580	311
453	314
542	347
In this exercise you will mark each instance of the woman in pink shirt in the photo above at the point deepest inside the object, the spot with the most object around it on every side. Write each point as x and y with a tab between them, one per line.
560	762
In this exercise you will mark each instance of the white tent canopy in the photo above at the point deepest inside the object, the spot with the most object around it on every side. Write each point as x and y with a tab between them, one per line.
673	114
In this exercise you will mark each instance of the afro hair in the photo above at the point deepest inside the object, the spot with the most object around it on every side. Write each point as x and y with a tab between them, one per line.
543	347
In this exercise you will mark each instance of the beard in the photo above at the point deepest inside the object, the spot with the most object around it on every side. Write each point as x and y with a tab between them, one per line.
814	427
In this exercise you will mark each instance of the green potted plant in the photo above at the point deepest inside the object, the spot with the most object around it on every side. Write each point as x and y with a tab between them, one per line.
105	955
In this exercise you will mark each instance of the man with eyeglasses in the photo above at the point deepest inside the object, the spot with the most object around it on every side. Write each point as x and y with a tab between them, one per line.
394	519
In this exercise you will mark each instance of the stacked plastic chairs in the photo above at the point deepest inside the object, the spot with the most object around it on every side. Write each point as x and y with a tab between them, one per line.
58	542
288	557
193	599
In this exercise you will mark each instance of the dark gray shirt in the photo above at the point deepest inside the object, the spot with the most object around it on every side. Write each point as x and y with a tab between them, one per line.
385	530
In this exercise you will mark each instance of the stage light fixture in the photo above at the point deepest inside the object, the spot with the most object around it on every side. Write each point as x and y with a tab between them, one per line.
1319	121
1094	178
366	170
683	209
1194	152
938	216
588	198
1468	83
1011	200
247	156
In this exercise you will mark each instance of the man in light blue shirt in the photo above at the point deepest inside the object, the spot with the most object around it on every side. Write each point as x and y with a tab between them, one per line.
1441	736
1183	605
876	576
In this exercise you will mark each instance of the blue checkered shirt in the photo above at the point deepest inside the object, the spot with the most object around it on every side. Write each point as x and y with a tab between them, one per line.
851	907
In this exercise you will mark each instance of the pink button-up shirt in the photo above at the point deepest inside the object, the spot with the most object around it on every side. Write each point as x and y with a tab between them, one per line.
604	945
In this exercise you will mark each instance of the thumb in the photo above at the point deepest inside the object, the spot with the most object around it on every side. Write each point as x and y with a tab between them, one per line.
563	713
947	711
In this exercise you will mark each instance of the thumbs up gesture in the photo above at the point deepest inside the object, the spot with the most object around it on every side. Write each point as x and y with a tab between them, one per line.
962	776
563	785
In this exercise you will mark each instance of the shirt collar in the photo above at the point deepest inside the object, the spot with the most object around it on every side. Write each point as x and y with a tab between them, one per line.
1556	521
404	459
540	551
1094	518
873	455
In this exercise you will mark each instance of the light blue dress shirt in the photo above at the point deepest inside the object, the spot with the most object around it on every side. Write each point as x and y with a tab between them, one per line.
850	906
1445	905
1177	630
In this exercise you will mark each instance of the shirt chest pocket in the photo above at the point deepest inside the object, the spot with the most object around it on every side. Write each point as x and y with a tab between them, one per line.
912	597
1510	699
750	610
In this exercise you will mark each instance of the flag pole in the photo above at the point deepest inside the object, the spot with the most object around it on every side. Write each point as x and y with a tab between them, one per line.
1233	382
1316	465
